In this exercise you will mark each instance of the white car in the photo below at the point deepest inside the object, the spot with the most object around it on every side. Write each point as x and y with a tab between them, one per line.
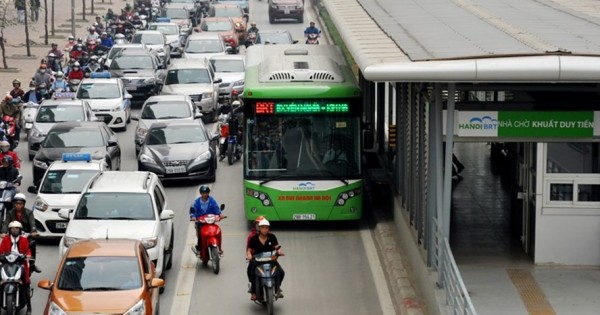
109	100
119	204
204	46
60	189
154	40
173	34
231	69
116	48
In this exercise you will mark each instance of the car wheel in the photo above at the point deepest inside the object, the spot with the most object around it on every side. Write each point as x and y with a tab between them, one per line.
271	19
301	19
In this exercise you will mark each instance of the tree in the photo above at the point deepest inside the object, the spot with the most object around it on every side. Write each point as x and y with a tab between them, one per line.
6	20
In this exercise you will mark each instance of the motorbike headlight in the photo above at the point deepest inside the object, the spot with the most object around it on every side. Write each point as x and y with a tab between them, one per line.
150	242
53	309
68	241
141	132
146	159
40	204
150	81
138	309
40	164
238	83
202	158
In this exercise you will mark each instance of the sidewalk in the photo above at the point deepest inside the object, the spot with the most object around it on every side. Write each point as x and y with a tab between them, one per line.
23	67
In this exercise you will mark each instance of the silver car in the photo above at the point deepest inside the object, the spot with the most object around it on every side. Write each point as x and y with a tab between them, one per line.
231	69
163	108
204	46
154	40
174	35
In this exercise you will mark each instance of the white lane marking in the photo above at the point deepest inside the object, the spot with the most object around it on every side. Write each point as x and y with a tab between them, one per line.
383	293
185	279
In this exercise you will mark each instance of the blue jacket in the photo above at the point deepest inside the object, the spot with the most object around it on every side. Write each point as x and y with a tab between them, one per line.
107	42
211	207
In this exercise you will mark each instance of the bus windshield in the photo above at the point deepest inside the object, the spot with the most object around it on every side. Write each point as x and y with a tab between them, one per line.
316	146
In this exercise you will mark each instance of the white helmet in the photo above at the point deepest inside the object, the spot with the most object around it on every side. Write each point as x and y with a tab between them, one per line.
20	197
264	222
59	74
236	103
15	224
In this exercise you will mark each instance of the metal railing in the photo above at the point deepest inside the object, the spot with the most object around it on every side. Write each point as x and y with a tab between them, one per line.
450	280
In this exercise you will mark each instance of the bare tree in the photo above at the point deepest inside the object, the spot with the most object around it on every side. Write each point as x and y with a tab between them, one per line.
45	22
6	20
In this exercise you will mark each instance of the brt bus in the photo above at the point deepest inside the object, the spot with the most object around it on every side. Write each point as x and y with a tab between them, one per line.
302	153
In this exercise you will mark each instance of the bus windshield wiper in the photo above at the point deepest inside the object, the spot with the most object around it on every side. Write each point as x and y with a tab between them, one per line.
338	177
273	178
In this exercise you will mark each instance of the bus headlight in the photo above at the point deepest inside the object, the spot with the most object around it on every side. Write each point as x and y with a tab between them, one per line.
263	197
344	196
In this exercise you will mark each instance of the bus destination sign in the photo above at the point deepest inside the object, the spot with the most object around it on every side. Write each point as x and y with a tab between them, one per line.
301	107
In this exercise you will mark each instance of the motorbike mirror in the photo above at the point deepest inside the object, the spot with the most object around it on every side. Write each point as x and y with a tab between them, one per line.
222	207
32	189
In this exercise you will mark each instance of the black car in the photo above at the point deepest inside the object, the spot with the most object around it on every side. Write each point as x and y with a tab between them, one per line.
141	70
95	138
179	150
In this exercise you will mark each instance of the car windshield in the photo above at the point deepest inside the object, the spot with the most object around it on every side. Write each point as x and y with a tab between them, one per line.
177	13
166	110
98	91
100	273
167	29
57	113
148	38
274	38
66	181
231	65
175	135
216	26
113	52
204	46
132	62
187	76
74	138
115	206
228	12
183	1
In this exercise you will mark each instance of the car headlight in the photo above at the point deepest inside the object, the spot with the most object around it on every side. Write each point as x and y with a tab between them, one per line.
202	158
35	133
55	310
142	132
116	108
40	204
299	6
150	242
274	6
138	309
207	95
150	81
68	241
238	82
146	159
40	164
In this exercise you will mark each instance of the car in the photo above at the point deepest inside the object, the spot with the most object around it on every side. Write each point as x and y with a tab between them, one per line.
231	69
53	111
286	9
104	276
160	108
275	37
141	71
131	205
77	137
174	34
195	78
60	189
107	58
154	40
233	11
184	14
176	150
244	4
108	98
225	27
204	46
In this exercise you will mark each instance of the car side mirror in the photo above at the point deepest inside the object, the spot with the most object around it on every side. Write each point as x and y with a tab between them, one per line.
228	49
161	66
167	215
32	189
217	80
135	117
157	283
127	96
295	41
198	115
112	143
222	207
215	137
45	284
65	213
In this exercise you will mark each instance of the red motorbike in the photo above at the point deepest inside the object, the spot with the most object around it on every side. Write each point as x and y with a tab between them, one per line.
210	240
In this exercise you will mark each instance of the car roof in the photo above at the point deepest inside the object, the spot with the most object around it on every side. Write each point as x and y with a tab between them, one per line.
100	80
199	63
129	45
163	23
166	98
148	32
62	102
134	52
95	165
217	19
203	35
225	5
228	57
175	123
104	247
76	125
121	181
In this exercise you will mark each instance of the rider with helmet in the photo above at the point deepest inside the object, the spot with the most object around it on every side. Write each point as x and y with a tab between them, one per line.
42	75
5	150
254	229
33	95
70	43
17	91
263	241
8	172
17	242
58	54
12	107
24	216
204	204
59	84
76	73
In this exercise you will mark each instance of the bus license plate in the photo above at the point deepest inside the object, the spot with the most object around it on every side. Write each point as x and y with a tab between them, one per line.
61	225
305	216
175	169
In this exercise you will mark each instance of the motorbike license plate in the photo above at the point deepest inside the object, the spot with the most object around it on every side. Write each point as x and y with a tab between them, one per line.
131	88
61	225
304	216
175	169
28	125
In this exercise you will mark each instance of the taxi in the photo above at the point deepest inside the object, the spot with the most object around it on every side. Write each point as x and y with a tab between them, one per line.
94	272
59	189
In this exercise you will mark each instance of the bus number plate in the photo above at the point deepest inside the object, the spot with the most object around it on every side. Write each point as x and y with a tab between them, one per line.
305	216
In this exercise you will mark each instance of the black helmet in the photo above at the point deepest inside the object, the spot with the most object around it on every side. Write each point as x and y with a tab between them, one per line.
204	189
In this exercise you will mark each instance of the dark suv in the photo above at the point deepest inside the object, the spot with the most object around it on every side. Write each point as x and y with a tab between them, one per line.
286	9
141	70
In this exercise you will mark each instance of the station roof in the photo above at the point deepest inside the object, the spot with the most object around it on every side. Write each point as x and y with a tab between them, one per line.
472	40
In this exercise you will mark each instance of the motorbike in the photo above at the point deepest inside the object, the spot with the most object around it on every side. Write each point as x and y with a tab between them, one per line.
73	84
223	126
9	129
312	39
266	278
8	190
210	244
14	295
251	40
29	113
234	151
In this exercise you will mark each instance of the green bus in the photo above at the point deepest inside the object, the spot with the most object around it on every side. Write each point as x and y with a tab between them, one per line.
302	134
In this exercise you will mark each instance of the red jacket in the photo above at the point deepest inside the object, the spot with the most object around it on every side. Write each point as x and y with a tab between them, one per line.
5	248
13	154
76	75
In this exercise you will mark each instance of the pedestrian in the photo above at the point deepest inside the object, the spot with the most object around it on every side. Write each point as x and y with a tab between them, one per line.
20	6
34	5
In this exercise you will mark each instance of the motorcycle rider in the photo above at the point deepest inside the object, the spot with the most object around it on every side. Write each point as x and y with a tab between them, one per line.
70	43
59	84
77	51
16	91
33	95
204	204
13	108
263	241
254	230
106	40
53	63
312	29
5	151
91	34
18	243
252	29
99	25
93	66
58	54
24	216
42	75
8	172
76	73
